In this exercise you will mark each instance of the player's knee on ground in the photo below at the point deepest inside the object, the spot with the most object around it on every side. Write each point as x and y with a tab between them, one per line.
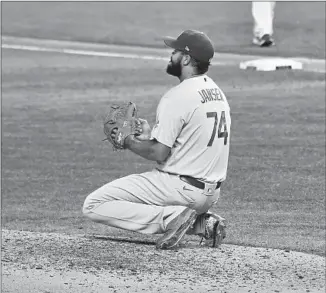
87	212
88	207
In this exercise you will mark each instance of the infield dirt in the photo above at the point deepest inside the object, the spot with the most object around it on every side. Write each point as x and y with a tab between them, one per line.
58	263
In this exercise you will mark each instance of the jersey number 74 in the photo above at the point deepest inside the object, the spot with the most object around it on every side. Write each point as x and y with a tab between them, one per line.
222	128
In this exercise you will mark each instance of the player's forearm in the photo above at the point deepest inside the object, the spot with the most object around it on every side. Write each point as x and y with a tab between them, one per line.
144	148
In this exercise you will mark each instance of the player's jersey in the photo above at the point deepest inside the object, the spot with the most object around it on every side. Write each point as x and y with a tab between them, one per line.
193	119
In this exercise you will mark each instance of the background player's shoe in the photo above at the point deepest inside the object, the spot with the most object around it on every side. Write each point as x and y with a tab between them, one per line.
214	230
265	41
176	229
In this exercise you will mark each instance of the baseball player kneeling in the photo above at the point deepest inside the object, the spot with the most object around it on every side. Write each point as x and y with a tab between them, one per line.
190	142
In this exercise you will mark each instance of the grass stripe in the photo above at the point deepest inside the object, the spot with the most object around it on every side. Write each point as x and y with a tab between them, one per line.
133	52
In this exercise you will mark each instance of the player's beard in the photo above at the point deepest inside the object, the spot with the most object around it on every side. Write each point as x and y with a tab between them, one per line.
174	68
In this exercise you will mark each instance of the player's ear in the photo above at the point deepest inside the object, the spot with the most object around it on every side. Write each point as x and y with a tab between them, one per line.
186	59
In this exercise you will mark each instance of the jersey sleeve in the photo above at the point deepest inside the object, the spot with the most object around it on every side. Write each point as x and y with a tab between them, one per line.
169	122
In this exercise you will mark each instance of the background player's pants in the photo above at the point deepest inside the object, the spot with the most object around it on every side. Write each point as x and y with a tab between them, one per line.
263	15
146	202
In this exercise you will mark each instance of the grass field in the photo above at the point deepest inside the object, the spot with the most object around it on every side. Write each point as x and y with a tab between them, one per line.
52	154
299	26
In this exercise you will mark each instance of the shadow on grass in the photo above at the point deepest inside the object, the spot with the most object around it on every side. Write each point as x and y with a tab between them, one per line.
119	239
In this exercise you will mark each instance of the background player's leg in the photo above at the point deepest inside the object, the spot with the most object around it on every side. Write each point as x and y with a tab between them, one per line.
272	3
263	15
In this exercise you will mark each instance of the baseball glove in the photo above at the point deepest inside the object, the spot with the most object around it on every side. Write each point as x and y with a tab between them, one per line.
122	117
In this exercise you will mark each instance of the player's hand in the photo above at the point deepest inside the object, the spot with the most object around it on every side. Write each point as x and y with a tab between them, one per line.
144	130
140	128
113	133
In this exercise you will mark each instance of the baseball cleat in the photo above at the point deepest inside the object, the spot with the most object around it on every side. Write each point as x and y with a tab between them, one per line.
176	229
265	41
214	230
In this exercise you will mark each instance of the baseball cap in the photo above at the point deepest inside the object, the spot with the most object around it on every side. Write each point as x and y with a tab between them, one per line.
195	43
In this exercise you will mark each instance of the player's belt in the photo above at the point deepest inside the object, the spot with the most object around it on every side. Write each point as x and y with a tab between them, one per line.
196	183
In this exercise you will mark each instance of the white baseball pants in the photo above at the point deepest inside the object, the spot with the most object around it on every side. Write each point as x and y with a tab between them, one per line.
147	202
263	16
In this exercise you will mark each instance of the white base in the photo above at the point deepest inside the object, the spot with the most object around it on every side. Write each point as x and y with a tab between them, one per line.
271	64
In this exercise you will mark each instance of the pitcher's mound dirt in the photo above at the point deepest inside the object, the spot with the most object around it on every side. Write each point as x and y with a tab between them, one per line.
50	262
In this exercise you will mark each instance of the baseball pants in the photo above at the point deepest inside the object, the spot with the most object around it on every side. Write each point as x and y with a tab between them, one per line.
147	202
263	15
